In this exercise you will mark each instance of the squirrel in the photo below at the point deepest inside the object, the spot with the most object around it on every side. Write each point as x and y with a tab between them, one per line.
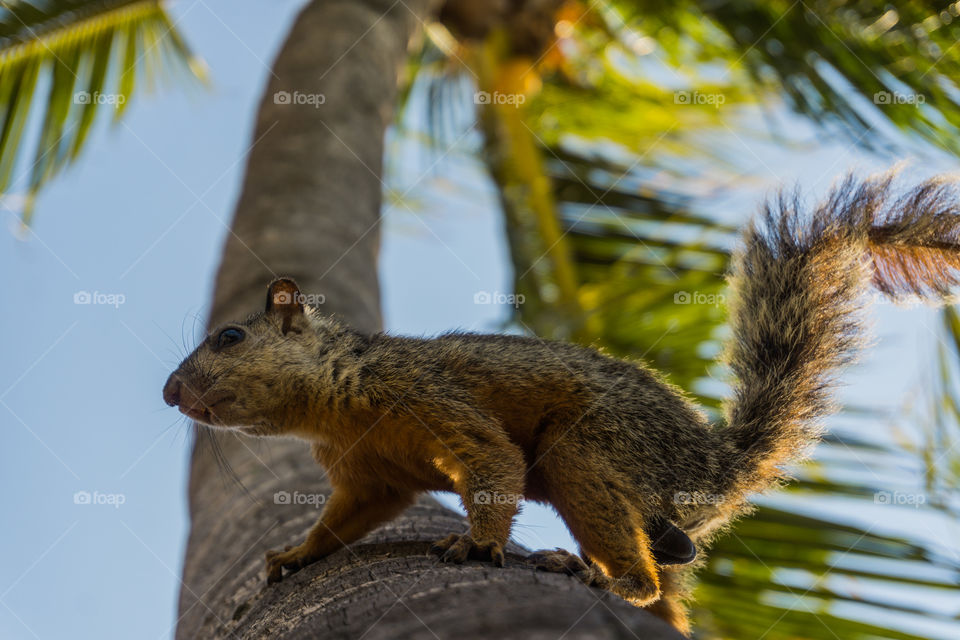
631	465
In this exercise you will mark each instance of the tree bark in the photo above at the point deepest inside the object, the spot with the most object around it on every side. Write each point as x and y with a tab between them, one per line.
309	208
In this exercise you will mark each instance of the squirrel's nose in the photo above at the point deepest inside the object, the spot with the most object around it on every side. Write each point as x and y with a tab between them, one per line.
171	390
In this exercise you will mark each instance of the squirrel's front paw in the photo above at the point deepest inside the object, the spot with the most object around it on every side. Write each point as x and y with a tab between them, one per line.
458	547
291	558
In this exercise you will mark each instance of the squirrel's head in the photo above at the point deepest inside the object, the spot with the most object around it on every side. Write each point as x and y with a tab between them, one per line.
244	374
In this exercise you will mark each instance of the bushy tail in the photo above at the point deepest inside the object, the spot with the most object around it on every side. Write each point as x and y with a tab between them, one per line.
798	286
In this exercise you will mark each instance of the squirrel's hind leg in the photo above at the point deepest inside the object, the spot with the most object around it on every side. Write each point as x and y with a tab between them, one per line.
595	503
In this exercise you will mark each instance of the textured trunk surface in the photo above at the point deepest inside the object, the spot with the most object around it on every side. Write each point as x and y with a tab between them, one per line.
309	208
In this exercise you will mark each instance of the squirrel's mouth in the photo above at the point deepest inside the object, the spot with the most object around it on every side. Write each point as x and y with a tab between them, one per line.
205	410
200	414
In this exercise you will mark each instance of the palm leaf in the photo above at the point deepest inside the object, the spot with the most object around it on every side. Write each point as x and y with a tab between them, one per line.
847	64
90	53
785	575
939	440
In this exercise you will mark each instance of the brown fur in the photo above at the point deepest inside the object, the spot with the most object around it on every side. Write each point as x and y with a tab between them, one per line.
608	443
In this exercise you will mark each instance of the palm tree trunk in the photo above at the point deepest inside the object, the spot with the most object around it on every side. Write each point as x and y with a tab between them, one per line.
309	208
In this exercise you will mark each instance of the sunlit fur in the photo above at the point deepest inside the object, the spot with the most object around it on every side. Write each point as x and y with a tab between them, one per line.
608	443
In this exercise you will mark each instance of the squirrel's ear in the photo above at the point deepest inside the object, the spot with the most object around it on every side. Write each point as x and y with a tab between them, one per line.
284	300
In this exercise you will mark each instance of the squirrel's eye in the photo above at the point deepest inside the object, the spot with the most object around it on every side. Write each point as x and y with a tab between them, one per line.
228	337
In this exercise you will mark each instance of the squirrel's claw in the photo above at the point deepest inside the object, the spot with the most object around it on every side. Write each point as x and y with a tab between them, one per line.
291	558
562	561
458	547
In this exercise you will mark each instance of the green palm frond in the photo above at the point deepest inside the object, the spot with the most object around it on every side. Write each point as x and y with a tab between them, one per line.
939	443
859	65
91	54
617	153
642	292
781	575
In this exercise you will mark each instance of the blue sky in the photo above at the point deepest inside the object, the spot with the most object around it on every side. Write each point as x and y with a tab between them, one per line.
143	216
